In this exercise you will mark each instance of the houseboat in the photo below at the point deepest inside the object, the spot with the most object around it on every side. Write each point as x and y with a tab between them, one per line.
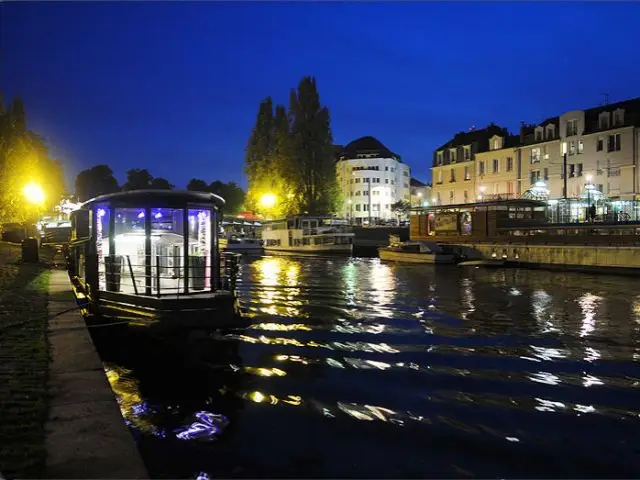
152	256
308	234
241	236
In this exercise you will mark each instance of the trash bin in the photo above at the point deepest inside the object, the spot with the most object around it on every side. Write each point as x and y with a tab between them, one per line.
197	272
30	250
113	267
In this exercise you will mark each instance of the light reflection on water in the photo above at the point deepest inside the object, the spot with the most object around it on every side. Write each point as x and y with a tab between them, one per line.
404	370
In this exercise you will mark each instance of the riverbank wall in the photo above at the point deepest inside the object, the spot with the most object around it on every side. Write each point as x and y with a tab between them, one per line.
367	240
86	436
611	258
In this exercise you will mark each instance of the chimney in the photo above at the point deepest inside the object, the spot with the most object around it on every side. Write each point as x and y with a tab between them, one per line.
522	132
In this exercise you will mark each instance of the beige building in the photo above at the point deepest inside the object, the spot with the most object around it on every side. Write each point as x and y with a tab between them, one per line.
601	145
454	165
497	169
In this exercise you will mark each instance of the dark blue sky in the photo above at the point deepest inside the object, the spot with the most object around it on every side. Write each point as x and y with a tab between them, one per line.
174	87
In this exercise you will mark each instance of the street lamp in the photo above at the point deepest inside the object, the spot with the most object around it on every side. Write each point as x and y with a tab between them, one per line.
267	201
34	193
482	189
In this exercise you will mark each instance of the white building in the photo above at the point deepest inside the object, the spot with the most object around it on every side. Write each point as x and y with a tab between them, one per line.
371	179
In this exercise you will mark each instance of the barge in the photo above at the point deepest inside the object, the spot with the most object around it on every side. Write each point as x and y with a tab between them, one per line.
309	235
152	257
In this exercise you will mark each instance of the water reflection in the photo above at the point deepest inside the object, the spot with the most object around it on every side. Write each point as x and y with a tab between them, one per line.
351	364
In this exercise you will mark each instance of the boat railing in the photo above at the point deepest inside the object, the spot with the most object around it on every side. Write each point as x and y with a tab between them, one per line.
166	276
326	231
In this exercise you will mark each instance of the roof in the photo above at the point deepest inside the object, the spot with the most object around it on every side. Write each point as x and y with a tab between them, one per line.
519	202
414	182
157	198
479	136
367	145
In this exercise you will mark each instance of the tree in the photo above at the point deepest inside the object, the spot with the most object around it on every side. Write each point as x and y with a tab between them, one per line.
24	158
138	179
98	180
311	166
233	195
159	183
258	155
401	208
197	185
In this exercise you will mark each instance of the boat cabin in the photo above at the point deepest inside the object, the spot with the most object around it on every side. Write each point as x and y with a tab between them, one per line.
473	222
308	233
153	254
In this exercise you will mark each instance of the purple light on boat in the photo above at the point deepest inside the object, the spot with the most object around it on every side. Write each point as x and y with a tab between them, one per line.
101	212
141	215
157	215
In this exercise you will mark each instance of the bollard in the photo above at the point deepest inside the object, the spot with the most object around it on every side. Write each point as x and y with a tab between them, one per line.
30	252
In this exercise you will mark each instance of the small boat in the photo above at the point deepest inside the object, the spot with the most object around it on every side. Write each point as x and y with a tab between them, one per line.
248	246
308	235
152	257
414	252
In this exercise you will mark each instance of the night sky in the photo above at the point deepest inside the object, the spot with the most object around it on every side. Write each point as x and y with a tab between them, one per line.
175	87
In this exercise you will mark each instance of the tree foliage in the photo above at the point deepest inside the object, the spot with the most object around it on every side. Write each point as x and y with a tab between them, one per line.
290	155
24	158
159	183
233	195
94	181
138	179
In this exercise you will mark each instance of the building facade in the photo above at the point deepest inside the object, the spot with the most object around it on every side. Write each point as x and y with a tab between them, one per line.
420	193
454	169
371	179
601	146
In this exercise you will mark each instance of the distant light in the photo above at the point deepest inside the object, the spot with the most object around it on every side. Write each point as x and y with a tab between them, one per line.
268	200
101	212
157	215
141	215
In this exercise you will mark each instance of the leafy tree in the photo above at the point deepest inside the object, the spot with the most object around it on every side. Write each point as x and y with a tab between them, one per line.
197	185
98	180
311	159
24	158
233	195
258	155
138	179
159	183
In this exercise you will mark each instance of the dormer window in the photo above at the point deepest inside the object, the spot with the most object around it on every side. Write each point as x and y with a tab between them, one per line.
618	117
539	134
439	156
572	127
603	121
496	144
467	152
452	155
550	132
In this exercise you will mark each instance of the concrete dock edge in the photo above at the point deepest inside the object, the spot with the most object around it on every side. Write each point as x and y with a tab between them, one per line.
86	436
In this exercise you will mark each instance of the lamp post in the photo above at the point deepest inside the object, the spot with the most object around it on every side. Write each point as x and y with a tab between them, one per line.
419	195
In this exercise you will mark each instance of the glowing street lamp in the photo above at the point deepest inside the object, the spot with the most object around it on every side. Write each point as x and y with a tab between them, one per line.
268	200
34	193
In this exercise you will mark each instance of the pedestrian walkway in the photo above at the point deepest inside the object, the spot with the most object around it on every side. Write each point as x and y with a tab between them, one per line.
86	436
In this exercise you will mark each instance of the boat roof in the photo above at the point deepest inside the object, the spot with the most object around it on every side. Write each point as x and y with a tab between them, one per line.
521	202
157	198
304	217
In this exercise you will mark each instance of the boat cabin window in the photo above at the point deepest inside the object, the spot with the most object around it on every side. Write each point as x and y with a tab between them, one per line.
81	225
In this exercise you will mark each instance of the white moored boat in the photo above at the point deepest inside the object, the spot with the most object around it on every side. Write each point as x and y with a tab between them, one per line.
308	234
414	252
246	245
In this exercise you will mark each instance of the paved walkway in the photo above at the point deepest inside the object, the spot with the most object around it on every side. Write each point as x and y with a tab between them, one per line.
86	436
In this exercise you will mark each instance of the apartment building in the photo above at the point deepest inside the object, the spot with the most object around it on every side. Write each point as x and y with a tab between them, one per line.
498	168
454	165
371	178
601	144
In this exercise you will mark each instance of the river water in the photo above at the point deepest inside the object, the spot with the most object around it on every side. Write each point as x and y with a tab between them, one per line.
359	368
